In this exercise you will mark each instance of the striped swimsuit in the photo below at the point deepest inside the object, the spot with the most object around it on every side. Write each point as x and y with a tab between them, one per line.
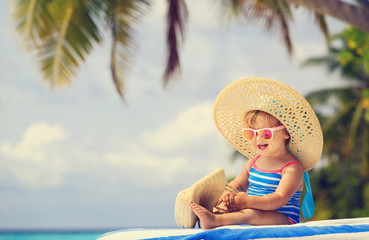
263	182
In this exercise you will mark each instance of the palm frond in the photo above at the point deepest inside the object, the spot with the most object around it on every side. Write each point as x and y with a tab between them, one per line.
286	34
31	19
354	126
329	62
74	33
58	67
349	72
122	15
176	19
338	116
285	16
343	56
320	19
61	33
230	9
321	97
276	12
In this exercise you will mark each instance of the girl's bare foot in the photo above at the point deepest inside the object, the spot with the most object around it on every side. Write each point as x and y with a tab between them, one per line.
207	219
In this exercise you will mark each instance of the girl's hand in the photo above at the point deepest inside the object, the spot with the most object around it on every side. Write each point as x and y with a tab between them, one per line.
239	202
226	200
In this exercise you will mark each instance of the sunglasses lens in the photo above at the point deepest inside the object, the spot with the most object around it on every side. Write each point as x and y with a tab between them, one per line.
266	134
249	134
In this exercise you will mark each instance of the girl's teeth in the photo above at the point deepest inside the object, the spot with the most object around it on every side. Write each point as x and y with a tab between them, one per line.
262	146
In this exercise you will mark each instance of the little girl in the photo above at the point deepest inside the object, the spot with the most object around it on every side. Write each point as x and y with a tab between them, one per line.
276	128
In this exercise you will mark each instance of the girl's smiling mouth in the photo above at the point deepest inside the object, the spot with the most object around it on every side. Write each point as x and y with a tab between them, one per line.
262	146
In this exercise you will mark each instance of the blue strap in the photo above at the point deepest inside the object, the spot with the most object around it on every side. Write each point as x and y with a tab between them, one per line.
308	206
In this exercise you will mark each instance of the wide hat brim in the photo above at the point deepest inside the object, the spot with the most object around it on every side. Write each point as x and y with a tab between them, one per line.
277	99
205	192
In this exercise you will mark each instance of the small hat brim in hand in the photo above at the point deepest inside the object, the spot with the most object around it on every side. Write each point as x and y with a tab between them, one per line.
205	192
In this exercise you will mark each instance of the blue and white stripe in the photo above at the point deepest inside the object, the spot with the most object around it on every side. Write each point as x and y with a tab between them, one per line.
263	183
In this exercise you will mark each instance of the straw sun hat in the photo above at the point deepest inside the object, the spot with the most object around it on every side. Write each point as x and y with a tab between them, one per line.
205	192
277	99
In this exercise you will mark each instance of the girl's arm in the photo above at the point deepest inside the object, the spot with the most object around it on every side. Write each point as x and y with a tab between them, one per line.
240	183
289	184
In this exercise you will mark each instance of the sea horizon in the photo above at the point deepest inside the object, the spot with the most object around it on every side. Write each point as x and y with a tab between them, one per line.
61	233
52	234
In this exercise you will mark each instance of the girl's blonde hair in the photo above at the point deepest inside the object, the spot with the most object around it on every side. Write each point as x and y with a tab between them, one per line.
250	118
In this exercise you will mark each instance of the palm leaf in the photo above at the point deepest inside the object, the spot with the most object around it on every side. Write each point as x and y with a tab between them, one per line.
321	97
333	61
285	15
338	116
31	19
320	19
275	12
354	126
122	15
74	34
329	62
176	18
62	34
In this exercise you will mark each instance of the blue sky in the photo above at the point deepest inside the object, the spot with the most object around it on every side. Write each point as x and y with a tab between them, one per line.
78	157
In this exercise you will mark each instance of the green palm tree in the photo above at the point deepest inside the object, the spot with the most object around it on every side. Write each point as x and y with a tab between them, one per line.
62	33
348	54
346	128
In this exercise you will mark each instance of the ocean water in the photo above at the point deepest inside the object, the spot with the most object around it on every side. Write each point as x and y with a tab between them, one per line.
50	235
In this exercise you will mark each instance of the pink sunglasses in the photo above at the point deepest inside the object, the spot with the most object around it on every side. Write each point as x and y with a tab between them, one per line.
264	133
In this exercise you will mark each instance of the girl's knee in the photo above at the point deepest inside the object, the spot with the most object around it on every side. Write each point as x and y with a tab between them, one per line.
252	213
260	217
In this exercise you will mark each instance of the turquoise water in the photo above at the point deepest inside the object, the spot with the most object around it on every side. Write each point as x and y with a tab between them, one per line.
40	235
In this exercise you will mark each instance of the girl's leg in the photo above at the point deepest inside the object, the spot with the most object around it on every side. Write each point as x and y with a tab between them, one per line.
246	216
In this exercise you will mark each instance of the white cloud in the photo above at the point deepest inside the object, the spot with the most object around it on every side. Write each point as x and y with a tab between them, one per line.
36	160
175	153
188	128
36	138
144	169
